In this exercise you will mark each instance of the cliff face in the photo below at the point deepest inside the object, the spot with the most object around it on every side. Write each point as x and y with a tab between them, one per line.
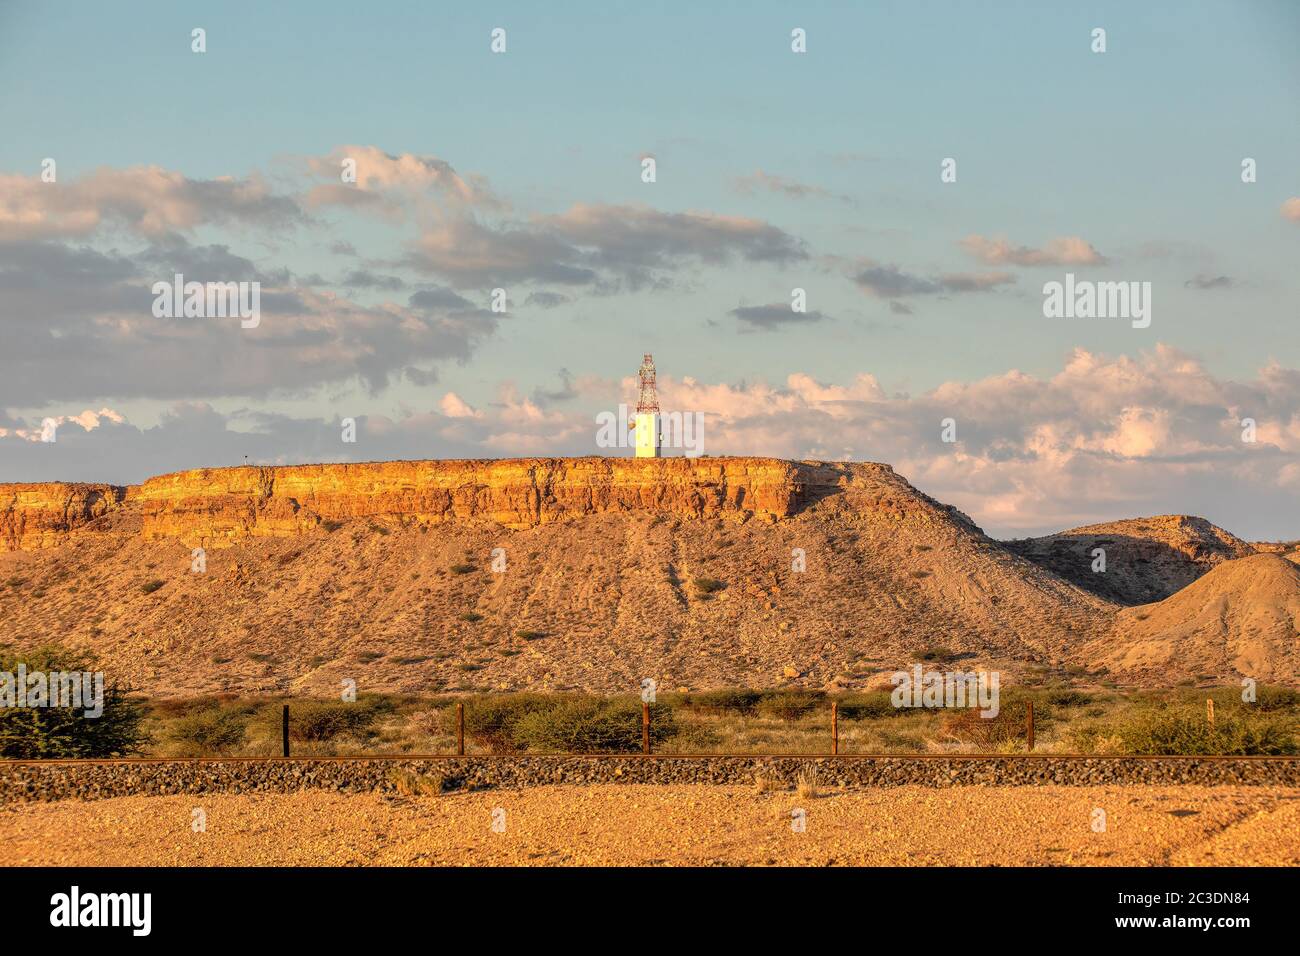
218	506
43	515
1147	559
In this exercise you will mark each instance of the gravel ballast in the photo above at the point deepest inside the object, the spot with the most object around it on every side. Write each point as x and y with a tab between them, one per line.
27	781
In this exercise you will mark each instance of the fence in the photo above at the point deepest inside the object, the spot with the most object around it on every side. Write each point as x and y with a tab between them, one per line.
645	727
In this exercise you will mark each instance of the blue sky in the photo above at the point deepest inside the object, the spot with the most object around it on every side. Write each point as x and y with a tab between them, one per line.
1135	152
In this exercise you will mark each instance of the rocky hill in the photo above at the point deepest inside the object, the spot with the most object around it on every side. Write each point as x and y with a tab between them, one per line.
1242	618
527	574
1147	559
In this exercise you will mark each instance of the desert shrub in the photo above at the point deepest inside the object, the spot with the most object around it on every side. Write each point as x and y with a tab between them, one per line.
471	617
462	568
411	784
734	700
491	721
530	635
933	652
1094	738
902	741
867	706
1068	698
322	720
789	704
593	725
204	732
1185	730
1268	699
990	734
689	738
709	585
31	733
150	586
330	525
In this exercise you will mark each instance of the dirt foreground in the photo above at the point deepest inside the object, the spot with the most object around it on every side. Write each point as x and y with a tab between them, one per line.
671	825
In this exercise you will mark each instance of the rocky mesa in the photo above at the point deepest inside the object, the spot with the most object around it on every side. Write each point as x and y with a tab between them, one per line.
43	515
213	507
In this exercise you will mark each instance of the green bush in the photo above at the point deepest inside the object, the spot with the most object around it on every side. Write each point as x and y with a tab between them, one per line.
789	704
867	706
150	586
1068	698
593	725
562	723
322	720
1186	730
1269	699
735	700
31	733
208	732
490	721
709	585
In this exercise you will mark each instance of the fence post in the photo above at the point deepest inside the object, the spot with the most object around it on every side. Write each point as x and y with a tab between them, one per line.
460	729
1209	710
645	727
1029	721
284	731
835	727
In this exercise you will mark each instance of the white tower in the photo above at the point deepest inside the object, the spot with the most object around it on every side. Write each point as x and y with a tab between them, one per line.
647	411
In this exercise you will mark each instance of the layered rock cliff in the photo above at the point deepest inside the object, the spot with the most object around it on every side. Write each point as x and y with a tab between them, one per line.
214	507
44	515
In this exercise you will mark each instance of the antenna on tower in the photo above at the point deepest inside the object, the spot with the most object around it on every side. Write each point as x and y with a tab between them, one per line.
647	399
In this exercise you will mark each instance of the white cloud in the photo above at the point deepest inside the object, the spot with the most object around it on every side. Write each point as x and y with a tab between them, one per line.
1065	251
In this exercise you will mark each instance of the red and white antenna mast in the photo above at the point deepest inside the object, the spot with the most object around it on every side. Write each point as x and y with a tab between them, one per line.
647	399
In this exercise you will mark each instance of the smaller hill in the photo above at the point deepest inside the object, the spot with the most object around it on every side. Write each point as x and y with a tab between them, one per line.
1147	559
1288	549
1241	619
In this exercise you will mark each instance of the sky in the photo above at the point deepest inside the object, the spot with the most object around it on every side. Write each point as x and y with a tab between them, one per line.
774	170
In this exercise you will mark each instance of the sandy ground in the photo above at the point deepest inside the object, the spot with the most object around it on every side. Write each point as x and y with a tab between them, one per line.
690	825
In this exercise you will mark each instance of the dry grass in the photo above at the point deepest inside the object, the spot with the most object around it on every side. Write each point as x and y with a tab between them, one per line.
410	784
806	786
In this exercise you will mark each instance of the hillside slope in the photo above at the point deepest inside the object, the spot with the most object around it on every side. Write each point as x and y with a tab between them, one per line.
615	570
1241	619
1147	559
